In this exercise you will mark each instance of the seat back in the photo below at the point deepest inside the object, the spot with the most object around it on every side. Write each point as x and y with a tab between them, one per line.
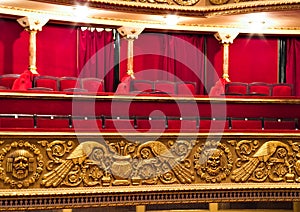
92	84
40	82
165	86
282	89
7	80
259	88
236	88
69	82
141	86
186	88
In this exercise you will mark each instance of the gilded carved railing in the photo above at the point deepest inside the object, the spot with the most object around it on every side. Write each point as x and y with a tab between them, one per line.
56	170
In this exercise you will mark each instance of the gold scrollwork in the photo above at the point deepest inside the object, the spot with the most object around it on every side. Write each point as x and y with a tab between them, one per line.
21	164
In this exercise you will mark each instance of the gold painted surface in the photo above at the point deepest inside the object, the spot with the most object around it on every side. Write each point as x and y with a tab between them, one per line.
49	170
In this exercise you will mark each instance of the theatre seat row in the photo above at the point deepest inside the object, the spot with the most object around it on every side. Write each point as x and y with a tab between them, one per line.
51	83
259	88
163	86
23	121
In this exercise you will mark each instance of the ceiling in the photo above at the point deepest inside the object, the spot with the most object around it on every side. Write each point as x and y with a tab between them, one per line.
266	17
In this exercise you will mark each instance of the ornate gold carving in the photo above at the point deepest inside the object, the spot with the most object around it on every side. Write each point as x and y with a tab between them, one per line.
213	161
117	163
272	160
80	166
21	164
218	2
166	162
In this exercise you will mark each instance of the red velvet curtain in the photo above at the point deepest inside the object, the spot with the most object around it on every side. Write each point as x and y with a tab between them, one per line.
96	55
174	57
293	64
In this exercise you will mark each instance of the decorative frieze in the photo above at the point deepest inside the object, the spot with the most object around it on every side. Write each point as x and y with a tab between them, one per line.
140	169
114	162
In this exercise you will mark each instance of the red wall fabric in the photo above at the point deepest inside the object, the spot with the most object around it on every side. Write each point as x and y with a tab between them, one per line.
14	47
251	59
254	59
293	64
56	51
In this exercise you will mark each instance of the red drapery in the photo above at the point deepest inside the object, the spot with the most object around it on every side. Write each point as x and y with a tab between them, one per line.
96	55
293	64
174	57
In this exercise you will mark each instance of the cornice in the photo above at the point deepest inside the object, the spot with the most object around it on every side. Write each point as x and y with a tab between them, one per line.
194	10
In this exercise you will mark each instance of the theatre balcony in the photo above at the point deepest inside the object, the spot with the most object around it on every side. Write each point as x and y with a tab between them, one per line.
149	105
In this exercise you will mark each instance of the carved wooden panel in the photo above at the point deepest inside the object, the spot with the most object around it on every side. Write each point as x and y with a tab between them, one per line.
47	171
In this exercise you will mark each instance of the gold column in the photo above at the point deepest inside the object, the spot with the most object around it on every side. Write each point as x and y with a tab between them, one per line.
32	24
130	33
226	38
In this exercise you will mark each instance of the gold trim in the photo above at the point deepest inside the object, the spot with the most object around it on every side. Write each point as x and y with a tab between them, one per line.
140	98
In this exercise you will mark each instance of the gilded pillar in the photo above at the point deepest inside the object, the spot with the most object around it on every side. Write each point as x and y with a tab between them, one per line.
130	35
32	24
226	38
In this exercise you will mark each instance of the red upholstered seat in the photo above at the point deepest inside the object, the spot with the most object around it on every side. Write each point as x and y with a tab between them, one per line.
92	84
69	82
259	88
165	86
142	85
46	82
7	80
282	89
236	88
186	88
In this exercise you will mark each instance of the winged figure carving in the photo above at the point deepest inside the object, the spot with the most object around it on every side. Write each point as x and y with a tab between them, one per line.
91	150
160	151
263	154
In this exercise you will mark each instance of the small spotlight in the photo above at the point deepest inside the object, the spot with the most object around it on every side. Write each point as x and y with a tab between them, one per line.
171	20
81	11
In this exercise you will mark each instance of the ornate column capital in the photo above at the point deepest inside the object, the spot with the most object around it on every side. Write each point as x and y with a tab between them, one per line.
130	32
226	36
33	23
